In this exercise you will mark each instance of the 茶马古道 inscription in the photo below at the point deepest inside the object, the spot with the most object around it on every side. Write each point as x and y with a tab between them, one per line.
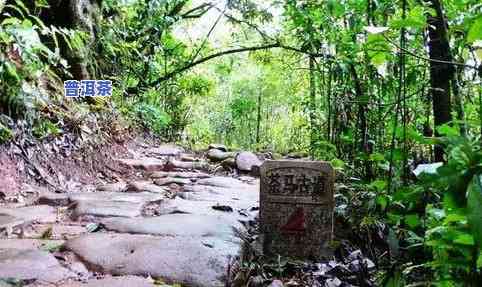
296	208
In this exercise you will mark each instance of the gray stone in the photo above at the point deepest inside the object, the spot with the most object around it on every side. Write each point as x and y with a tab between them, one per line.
218	155
103	204
220	181
31	264
122	281
177	174
187	157
296	208
180	259
113	187
29	244
246	160
174	225
53	199
171	180
176	164
37	213
9	222
147	163
220	147
276	283
102	208
146	186
138	197
166	150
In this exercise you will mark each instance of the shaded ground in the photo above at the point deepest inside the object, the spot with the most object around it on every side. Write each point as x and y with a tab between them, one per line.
144	214
129	211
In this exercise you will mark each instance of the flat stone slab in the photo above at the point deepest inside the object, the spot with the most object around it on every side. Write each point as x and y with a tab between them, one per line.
179	260
166	150
145	186
31	264
29	244
138	197
105	204
120	281
171	180
174	225
65	199
113	187
178	174
220	181
147	163
108	208
12	217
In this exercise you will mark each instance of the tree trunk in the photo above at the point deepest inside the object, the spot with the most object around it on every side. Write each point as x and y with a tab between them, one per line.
312	105
258	121
441	74
83	15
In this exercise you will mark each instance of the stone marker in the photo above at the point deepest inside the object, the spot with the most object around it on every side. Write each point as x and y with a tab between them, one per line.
296	208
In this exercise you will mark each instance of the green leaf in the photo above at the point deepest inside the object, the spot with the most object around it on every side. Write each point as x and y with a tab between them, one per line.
382	201
455	218
378	185
337	164
412	220
447	130
475	31
464	239
377	157
479	260
474	206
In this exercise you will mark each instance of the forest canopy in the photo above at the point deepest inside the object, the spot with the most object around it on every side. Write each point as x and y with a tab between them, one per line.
376	87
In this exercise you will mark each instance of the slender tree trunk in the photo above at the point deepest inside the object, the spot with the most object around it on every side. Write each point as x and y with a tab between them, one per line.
312	105
258	120
328	100
441	74
458	100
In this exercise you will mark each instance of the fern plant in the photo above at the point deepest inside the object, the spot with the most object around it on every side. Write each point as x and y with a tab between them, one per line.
455	226
25	61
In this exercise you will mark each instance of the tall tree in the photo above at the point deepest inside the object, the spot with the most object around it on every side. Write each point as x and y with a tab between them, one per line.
441	71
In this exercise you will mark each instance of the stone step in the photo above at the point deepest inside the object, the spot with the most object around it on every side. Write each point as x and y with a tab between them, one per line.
32	264
181	259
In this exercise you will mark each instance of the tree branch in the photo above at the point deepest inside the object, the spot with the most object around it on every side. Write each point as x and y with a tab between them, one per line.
198	11
233	51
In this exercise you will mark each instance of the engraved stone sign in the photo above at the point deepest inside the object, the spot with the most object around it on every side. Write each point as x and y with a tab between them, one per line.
296	208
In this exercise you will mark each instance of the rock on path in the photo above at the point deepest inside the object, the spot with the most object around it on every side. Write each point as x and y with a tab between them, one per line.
173	259
173	225
31	264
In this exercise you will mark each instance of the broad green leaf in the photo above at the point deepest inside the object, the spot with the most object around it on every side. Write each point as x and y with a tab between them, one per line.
377	157
412	220
382	201
464	239
475	31
379	185
447	130
474	206
478	49
337	163
455	218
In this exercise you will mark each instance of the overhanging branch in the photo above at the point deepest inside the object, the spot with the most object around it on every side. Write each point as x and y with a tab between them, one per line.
233	51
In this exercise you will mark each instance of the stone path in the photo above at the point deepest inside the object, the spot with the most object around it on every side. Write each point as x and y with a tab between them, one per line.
176	226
